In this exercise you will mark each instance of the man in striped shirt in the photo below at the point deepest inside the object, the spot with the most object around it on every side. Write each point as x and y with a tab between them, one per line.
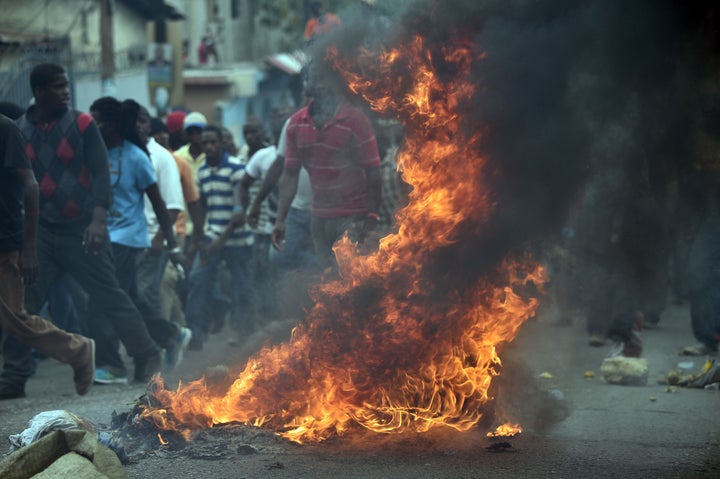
227	237
337	146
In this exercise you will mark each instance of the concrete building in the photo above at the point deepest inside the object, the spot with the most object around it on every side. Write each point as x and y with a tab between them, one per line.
68	32
241	79
248	75
243	30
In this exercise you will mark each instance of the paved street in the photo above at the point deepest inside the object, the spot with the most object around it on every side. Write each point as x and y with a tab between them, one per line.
612	431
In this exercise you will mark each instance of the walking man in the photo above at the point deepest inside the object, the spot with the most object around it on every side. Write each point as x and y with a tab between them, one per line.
19	266
70	163
336	144
227	238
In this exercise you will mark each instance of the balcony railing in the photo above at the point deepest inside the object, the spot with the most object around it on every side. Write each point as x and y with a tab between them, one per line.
90	62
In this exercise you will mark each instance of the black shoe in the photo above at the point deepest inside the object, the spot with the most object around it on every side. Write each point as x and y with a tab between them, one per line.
652	318
11	391
146	368
218	323
196	342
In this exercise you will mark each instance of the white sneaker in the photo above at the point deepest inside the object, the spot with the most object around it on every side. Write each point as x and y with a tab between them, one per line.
174	354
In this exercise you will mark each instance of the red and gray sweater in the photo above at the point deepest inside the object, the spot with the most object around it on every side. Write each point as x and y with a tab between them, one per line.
71	166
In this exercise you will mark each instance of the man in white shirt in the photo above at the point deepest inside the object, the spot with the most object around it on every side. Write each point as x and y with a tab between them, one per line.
298	251
261	159
151	266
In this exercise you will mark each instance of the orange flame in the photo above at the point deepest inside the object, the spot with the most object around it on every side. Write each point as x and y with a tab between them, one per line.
163	442
388	347
506	430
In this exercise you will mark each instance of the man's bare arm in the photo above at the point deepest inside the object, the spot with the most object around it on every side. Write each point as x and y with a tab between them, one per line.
288	188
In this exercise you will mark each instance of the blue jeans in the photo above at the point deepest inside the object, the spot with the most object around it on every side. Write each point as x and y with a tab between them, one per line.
299	250
265	275
239	261
326	231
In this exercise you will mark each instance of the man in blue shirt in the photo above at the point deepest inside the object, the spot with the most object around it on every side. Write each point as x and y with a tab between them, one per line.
131	177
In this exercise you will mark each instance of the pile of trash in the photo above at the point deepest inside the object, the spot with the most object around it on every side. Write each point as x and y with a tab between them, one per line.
707	378
625	371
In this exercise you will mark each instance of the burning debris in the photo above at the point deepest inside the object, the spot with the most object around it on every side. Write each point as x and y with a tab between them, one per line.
133	435
505	430
500	447
422	353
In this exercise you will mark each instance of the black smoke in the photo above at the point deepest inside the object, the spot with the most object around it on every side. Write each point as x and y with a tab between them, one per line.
569	89
568	92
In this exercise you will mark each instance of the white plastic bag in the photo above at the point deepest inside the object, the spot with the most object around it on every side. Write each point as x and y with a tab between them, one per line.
46	422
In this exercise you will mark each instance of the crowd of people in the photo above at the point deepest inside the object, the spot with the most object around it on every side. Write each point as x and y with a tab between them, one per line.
118	227
640	234
123	228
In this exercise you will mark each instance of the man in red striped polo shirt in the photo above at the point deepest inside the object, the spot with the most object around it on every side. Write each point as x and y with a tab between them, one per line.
337	146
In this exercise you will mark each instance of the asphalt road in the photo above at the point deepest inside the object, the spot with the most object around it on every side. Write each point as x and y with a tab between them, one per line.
610	431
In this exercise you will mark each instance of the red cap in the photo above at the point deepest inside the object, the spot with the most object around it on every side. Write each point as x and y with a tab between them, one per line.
174	121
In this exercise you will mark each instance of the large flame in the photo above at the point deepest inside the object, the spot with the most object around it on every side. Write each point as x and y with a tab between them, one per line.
390	346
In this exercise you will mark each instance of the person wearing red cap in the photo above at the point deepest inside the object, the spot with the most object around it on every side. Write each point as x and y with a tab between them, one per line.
174	122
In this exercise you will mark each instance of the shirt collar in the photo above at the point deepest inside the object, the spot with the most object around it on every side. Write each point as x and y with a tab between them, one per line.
32	110
224	161
343	112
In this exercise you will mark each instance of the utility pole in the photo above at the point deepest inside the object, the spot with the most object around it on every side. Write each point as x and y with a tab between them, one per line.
107	48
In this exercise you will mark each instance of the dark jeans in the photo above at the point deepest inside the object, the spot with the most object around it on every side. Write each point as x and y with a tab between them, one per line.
611	301
299	251
162	332
265	275
326	231
703	283
67	305
150	272
60	253
202	283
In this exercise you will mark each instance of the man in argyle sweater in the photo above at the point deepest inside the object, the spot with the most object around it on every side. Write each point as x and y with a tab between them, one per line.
70	164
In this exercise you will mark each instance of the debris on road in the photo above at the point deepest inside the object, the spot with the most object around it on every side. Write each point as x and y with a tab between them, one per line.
499	447
625	371
708	378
